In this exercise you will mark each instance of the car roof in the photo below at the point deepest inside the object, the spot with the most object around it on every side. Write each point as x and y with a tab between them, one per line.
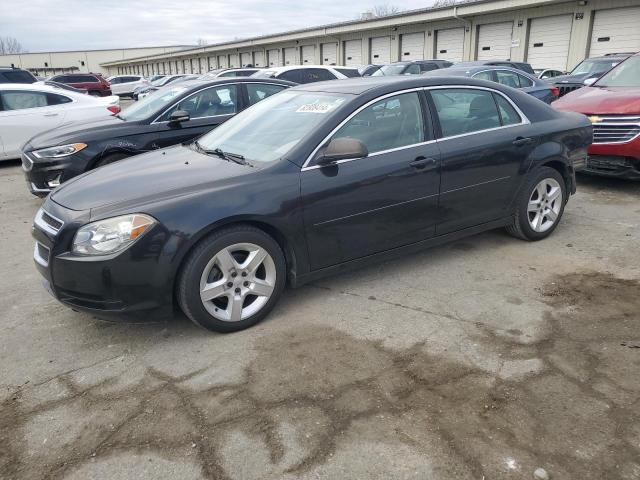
29	86
215	81
298	67
382	85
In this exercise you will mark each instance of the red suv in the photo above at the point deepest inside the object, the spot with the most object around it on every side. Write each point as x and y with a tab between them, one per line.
612	103
93	83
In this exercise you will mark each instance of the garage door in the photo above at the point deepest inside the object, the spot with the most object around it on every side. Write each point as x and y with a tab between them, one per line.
222	61
234	61
412	46
450	44
309	54
213	62
381	50
494	41
353	52
245	59
549	39
615	31
329	52
273	57
258	59
290	57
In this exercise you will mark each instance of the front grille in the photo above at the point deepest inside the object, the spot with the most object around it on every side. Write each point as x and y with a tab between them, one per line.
27	163
615	128
566	88
48	222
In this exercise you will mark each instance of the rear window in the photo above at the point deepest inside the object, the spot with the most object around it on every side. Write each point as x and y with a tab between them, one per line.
17	76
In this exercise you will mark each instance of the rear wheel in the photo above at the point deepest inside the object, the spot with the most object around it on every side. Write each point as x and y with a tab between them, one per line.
540	205
232	279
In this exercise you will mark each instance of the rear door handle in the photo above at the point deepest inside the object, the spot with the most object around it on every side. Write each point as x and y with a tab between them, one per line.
422	162
51	114
521	141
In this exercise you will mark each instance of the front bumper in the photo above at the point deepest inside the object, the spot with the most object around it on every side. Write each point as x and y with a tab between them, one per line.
135	284
43	176
620	160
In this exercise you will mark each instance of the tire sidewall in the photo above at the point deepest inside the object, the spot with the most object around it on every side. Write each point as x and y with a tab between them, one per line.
191	275
523	214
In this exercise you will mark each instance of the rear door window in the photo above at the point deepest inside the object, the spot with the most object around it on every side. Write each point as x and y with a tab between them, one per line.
56	99
390	123
413	69
510	79
508	114
462	111
488	75
427	67
311	75
260	91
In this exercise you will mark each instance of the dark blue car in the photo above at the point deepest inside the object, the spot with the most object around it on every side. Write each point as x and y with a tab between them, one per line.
510	77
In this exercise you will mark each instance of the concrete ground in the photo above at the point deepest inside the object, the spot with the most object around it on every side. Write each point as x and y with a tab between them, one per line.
485	359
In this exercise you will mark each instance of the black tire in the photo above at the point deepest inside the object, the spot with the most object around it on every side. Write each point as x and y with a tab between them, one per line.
521	228
110	158
188	283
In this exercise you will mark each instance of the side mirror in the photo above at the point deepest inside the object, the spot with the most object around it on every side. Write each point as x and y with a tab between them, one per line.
178	116
342	149
590	81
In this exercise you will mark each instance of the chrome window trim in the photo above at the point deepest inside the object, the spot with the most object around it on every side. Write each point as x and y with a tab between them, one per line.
36	255
523	118
38	221
156	122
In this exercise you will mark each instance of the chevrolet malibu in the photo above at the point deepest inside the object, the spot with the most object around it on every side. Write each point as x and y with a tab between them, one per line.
311	181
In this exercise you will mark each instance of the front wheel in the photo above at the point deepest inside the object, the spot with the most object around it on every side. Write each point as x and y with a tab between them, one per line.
540	205
232	279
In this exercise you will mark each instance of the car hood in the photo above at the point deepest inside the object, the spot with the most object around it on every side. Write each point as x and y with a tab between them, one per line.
85	132
601	100
141	179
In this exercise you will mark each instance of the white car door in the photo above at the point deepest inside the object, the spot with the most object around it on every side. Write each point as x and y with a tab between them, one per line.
24	114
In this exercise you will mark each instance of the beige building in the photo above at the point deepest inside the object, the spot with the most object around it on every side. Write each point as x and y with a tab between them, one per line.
49	63
546	33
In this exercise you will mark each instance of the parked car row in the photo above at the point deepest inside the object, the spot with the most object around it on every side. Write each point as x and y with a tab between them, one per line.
241	184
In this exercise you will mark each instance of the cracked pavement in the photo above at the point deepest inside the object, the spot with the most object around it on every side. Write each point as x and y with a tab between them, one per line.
486	358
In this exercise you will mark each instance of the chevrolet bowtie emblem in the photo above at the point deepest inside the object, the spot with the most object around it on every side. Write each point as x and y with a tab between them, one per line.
594	119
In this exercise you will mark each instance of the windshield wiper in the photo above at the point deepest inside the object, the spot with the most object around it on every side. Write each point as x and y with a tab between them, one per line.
230	157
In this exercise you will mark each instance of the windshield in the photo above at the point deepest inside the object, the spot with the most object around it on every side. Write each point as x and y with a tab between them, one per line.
592	66
271	128
389	70
627	74
152	104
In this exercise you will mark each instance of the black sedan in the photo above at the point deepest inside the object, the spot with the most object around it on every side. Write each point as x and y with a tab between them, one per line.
178	114
314	180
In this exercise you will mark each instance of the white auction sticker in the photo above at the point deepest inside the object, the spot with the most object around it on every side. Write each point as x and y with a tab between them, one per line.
316	108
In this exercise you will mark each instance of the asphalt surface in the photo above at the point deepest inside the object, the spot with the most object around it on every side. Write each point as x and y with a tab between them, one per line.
487	358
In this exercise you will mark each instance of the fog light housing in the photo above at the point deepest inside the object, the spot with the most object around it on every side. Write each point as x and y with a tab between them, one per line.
55	182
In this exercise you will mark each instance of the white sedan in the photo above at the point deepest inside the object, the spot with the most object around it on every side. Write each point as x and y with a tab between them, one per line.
29	109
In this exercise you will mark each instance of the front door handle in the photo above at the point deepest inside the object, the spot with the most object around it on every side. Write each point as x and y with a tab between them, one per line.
522	141
51	114
421	163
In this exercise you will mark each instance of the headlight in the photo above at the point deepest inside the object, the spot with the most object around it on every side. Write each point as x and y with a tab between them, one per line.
61	151
111	235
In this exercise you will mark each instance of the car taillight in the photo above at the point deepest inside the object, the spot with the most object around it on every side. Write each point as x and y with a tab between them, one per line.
555	91
114	109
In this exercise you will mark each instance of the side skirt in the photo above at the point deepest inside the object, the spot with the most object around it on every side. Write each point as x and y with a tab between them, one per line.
298	281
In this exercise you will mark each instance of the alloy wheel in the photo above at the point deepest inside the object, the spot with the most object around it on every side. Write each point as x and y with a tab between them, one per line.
544	205
237	282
